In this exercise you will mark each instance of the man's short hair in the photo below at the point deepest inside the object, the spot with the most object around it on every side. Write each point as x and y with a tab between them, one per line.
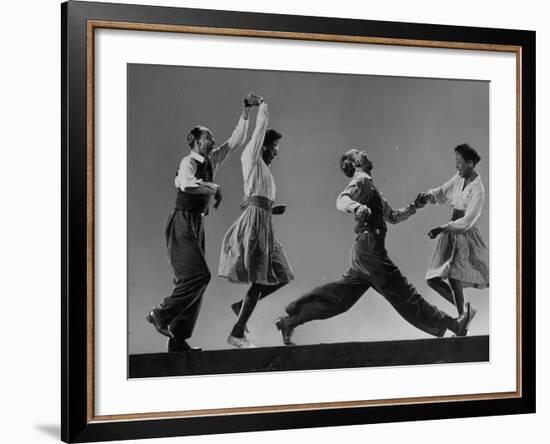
347	164
468	153
194	134
271	136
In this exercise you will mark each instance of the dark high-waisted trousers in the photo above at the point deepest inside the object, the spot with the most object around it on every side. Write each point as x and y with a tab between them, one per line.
185	242
371	267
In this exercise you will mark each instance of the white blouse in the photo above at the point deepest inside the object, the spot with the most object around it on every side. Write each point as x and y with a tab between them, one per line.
469	199
257	177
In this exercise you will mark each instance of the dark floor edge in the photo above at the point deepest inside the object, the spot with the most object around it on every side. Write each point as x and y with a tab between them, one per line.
312	357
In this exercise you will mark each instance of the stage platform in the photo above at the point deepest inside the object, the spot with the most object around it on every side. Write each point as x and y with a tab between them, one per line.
311	357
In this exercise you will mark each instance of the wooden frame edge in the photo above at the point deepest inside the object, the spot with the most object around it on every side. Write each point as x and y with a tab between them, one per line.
91	25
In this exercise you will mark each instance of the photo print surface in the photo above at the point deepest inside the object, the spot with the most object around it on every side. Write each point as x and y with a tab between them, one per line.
334	195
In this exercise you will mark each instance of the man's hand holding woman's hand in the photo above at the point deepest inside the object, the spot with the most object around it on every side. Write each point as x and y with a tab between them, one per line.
421	200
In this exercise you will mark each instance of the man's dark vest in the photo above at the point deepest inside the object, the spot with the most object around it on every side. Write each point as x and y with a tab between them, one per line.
376	221
196	202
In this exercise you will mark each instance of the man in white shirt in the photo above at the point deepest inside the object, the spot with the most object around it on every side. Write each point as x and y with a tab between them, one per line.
176	316
370	264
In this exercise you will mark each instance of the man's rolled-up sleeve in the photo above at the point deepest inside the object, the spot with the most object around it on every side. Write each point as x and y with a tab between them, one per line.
185	178
348	200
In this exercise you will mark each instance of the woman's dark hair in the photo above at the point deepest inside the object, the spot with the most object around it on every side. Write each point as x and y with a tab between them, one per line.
271	136
194	134
347	165
468	153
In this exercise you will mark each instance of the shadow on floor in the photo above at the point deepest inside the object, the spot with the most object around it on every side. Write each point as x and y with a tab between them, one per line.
52	430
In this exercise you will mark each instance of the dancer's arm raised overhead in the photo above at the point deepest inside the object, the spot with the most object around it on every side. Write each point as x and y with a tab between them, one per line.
238	136
253	151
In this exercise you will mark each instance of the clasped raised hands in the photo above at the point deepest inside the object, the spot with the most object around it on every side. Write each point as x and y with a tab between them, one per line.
252	99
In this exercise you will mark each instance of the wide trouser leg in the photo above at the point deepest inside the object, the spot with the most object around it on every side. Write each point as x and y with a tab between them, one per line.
370	257
185	243
327	301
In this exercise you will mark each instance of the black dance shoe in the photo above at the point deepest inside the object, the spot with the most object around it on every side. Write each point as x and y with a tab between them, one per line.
180	345
154	318
285	330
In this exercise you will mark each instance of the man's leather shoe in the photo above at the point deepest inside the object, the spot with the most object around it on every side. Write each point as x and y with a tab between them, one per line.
285	330
154	318
180	345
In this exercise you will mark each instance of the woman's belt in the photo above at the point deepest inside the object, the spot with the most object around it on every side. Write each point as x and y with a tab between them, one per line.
457	214
257	201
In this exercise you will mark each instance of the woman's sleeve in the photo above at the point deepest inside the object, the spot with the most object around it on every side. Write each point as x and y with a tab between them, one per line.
253	149
441	194
471	215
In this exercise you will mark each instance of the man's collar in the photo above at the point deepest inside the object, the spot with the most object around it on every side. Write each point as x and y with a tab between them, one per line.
362	174
197	156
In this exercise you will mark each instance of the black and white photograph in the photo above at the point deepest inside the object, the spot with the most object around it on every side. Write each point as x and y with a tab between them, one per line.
284	220
275	222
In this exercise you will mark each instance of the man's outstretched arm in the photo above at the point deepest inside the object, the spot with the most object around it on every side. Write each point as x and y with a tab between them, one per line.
239	134
400	215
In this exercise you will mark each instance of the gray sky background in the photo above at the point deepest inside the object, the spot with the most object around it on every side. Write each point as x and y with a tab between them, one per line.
409	126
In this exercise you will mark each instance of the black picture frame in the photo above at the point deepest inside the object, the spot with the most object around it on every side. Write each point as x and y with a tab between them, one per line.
77	424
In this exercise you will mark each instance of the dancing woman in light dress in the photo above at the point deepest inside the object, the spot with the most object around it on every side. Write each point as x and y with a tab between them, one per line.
461	256
251	254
